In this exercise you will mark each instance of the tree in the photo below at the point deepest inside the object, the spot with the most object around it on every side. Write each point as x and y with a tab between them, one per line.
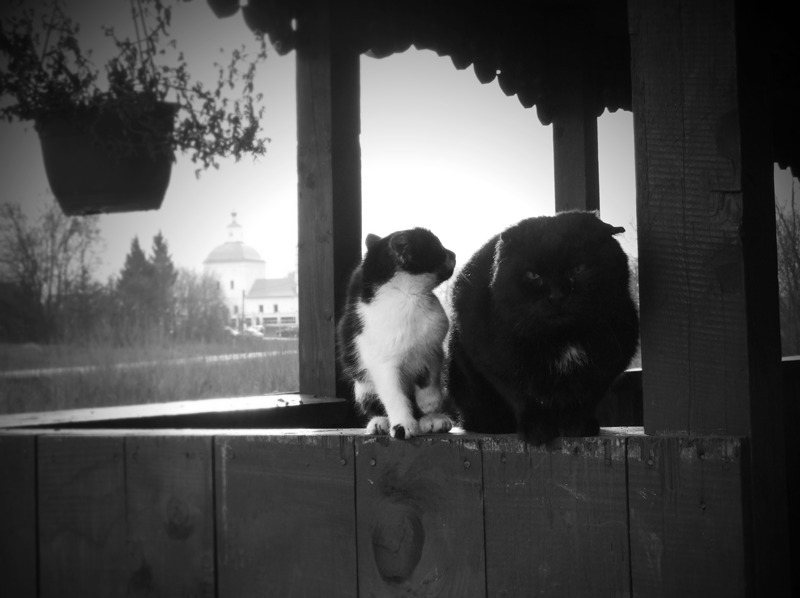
200	308
136	295
164	277
47	262
145	293
788	241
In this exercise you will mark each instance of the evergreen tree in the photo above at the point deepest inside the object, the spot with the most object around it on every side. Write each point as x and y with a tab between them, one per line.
164	277
137	295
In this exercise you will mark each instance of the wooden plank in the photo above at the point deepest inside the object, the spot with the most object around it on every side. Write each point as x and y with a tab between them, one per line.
285	516
170	515
329	184
82	517
420	517
556	518
18	569
687	517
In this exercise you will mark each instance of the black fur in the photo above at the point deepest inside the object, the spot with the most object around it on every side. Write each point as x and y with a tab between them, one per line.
544	288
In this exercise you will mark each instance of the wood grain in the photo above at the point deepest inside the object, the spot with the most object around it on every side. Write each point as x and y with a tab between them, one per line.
170	515
420	517
329	185
689	212
556	518
18	525
687	517
82	528
285	516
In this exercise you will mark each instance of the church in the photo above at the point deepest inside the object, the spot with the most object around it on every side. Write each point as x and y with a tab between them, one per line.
268	304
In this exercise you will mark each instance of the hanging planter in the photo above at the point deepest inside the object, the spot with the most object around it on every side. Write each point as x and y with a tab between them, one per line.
224	8
97	163
110	147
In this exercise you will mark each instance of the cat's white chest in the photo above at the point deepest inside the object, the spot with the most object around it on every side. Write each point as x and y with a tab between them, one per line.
399	320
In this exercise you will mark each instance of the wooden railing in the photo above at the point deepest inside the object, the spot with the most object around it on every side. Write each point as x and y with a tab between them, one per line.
131	509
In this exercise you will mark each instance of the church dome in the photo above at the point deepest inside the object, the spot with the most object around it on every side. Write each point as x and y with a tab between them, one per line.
234	249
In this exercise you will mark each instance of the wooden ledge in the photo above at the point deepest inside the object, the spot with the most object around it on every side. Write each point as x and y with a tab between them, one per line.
263	411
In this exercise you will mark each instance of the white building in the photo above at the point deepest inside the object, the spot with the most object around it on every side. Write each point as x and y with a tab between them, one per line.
252	300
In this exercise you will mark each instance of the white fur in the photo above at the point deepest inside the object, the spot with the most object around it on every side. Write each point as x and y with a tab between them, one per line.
404	327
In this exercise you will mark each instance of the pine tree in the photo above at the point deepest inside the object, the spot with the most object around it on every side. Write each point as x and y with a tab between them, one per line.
164	276
137	296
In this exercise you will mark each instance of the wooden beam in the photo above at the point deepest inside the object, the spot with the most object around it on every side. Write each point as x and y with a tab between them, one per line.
575	165
329	184
575	162
707	258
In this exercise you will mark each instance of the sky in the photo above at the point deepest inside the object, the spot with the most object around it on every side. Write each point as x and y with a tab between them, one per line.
439	149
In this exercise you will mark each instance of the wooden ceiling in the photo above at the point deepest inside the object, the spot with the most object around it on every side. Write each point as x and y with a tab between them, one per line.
543	52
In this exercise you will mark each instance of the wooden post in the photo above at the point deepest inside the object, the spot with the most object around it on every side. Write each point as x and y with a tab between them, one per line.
18	543
707	257
329	184
577	179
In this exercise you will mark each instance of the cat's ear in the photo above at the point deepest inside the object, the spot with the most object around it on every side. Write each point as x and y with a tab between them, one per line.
609	229
372	240
615	230
399	246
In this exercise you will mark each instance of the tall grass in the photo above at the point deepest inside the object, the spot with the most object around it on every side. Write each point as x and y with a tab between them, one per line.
162	378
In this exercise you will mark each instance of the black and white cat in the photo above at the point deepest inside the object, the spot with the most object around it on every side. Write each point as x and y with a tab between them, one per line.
543	322
391	334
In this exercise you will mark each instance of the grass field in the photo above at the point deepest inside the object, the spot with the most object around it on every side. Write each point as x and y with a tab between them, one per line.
93	376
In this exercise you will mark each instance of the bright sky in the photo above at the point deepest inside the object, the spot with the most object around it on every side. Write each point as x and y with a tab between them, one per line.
439	150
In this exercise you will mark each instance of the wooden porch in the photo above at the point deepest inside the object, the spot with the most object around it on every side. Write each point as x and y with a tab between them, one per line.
698	498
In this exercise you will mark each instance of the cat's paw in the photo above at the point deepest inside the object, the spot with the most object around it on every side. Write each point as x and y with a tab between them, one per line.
435	423
429	399
405	429
378	425
538	431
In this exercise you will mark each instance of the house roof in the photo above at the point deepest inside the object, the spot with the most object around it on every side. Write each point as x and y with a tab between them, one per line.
531	48
268	288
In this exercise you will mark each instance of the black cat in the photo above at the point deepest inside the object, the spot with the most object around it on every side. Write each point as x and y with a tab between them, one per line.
543	322
390	337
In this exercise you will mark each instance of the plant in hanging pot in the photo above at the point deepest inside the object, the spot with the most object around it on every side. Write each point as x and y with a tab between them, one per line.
108	143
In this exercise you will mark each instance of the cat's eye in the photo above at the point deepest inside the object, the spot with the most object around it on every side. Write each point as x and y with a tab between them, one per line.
577	269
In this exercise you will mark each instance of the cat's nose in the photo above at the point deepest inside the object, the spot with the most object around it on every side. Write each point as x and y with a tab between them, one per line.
556	295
